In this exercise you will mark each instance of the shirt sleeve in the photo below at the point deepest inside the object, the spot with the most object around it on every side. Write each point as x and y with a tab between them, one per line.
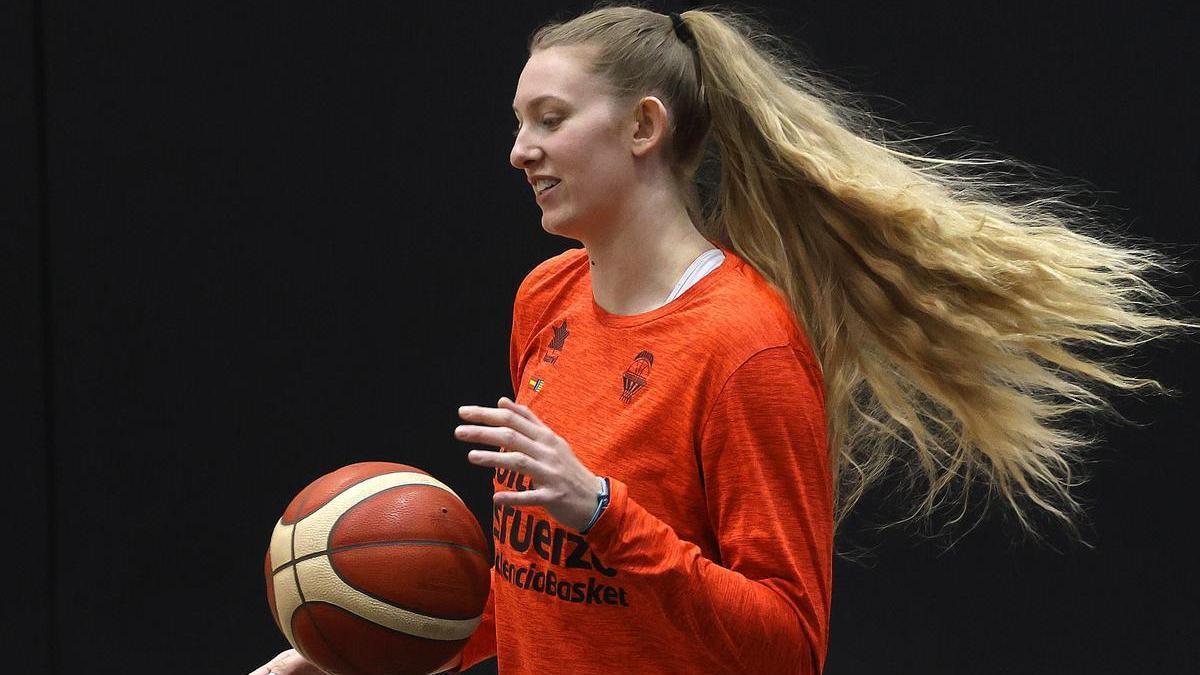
524	318
764	605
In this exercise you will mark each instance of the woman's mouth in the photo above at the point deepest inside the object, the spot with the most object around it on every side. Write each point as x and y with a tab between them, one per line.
545	185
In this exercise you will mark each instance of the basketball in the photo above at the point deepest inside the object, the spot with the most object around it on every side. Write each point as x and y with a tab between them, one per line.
377	568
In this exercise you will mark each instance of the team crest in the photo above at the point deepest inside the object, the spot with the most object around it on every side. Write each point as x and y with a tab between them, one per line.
635	376
557	344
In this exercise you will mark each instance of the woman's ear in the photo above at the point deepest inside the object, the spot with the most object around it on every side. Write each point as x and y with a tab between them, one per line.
651	122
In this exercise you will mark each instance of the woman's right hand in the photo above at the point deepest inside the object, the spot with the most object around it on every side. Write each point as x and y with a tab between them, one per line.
288	662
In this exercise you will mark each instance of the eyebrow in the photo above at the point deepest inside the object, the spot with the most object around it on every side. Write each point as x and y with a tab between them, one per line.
540	99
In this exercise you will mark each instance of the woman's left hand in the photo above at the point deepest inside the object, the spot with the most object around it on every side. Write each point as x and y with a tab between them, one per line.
561	483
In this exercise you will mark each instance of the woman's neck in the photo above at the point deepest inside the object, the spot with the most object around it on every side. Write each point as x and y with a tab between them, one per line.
636	266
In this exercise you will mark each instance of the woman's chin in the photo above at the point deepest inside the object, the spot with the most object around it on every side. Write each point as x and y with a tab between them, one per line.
555	225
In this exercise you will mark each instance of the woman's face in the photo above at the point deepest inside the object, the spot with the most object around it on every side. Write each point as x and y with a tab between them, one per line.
571	136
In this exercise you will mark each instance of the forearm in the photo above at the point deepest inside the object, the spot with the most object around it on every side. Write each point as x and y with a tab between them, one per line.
766	624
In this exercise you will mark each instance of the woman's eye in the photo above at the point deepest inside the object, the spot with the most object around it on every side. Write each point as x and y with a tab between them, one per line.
548	122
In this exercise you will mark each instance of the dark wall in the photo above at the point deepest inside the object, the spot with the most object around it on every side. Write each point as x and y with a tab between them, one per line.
282	237
24	415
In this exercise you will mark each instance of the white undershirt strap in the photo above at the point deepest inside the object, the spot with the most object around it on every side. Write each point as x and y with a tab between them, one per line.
707	262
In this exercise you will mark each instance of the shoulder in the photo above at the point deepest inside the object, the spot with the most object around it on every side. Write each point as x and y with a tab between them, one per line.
753	340
553	274
552	284
748	315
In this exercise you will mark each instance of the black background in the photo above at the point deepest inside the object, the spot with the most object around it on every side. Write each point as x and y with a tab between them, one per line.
247	243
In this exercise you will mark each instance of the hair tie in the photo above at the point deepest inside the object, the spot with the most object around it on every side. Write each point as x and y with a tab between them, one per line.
681	29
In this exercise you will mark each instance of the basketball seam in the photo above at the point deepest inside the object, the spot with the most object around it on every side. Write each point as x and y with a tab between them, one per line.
318	507
329	552
381	626
334	526
394	604
325	638
402	542
295	570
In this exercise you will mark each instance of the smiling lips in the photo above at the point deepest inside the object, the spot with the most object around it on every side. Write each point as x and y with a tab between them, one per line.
543	183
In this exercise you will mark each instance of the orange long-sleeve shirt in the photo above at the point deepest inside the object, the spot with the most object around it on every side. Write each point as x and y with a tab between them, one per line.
707	414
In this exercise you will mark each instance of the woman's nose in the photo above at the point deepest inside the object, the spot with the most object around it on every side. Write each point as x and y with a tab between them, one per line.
523	154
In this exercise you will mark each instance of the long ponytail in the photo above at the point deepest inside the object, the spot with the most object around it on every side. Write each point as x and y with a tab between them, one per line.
949	307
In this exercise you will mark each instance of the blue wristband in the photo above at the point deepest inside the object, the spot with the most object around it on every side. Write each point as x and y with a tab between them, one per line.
603	502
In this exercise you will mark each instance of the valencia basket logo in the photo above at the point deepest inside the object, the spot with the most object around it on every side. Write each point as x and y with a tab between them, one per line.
635	376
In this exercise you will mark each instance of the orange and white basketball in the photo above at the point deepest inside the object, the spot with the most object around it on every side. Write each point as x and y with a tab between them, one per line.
377	568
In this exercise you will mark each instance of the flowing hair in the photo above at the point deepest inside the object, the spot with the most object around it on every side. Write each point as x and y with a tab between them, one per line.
951	307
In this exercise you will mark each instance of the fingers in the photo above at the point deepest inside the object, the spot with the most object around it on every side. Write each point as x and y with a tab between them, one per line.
521	410
501	428
513	461
506	417
274	665
500	437
546	434
536	497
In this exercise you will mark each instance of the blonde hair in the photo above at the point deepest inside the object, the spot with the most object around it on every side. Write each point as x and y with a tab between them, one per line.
949	307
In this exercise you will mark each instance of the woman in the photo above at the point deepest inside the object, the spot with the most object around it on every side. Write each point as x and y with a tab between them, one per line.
702	398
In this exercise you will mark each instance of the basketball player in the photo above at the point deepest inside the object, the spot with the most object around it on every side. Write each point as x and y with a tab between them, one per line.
703	395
